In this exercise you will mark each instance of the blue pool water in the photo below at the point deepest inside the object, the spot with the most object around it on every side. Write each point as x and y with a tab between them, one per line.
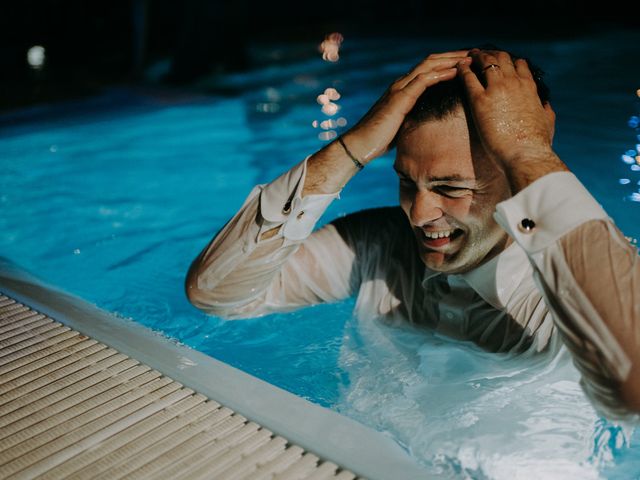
111	198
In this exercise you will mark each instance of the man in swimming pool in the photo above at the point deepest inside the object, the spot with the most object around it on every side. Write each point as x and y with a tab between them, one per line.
495	241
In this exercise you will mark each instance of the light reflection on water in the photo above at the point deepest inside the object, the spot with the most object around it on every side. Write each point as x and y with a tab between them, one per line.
113	205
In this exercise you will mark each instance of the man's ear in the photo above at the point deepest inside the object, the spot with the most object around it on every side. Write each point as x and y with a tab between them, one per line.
551	117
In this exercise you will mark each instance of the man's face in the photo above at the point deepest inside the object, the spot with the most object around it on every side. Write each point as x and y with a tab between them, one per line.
449	189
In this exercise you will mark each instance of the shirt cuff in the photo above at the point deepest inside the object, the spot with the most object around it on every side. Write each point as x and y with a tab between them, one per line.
546	210
281	204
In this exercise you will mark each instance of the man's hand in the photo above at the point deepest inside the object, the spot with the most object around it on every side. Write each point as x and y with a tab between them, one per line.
515	128
373	134
330	169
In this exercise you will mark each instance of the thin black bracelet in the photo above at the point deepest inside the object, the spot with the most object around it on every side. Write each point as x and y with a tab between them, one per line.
356	162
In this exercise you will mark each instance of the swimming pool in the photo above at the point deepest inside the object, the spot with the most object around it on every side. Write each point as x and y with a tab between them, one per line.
112	197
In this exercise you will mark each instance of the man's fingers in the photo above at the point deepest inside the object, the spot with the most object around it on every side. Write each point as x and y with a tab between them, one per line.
454	53
486	60
422	81
522	67
469	78
437	62
433	59
428	66
506	62
494	63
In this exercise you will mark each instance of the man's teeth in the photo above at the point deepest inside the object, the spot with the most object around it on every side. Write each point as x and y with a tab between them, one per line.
441	234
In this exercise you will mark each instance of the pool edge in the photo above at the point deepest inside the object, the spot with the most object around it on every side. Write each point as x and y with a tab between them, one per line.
324	432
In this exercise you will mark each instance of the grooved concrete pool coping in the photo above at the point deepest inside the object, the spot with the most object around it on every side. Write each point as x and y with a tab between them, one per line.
292	431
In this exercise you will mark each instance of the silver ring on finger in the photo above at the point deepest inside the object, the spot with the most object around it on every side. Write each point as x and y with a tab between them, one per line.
491	66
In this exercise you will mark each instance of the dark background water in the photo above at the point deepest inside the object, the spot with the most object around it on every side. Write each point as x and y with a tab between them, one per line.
93	44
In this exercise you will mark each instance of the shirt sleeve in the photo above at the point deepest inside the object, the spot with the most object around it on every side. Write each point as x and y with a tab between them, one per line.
245	273
589	275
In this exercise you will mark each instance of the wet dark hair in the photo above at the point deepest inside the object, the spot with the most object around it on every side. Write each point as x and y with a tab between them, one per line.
444	98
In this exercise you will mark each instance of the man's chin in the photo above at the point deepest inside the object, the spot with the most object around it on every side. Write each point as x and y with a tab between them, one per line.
440	262
443	258
456	262
449	263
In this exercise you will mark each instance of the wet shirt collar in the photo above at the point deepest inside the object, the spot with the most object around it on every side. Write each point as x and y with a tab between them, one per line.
496	280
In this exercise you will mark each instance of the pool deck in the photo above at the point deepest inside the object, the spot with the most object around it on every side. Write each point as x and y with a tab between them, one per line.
84	394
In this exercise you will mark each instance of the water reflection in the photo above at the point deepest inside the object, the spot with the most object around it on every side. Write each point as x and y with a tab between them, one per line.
632	156
330	47
36	57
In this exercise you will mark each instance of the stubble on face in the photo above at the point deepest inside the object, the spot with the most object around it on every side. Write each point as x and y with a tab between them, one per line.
449	189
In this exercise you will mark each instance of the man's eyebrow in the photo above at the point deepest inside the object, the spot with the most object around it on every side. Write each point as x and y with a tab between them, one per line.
450	178
446	178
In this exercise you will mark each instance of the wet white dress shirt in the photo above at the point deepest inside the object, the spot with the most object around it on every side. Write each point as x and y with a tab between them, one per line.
563	278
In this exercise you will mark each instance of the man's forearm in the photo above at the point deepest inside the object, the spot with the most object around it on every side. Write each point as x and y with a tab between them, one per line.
328	170
239	266
607	269
589	275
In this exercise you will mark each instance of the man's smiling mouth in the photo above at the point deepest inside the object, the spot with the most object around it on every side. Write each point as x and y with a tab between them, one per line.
440	238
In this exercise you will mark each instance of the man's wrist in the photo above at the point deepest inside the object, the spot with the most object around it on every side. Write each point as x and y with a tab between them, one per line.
282	209
524	169
546	210
328	170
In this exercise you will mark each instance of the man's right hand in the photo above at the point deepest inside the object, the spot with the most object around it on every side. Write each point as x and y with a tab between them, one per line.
373	134
330	169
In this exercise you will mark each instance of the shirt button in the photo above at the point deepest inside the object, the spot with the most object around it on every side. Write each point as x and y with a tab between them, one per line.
526	225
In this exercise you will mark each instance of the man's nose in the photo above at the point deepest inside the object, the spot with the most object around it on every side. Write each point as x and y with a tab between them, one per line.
425	208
